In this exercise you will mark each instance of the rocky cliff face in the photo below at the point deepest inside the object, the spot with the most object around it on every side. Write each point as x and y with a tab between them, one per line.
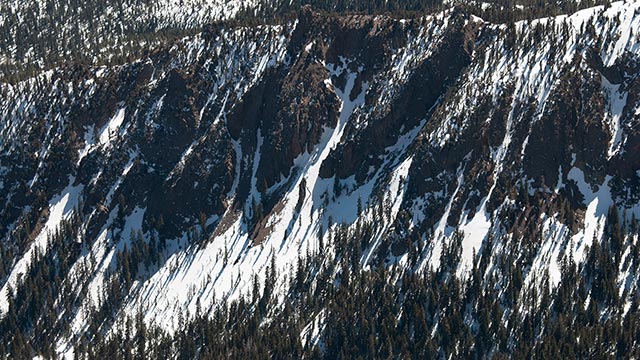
237	146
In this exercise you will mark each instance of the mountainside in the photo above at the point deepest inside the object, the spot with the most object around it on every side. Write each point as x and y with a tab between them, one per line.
497	162
40	35
36	35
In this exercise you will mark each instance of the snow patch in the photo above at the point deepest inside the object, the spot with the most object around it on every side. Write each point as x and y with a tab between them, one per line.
110	129
616	102
598	203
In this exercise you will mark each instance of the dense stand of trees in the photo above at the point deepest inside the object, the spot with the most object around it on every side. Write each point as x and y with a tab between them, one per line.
389	312
491	10
32	321
336	309
37	36
46	298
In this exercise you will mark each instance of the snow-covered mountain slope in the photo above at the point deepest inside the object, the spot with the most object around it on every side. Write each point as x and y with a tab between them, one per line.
180	178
